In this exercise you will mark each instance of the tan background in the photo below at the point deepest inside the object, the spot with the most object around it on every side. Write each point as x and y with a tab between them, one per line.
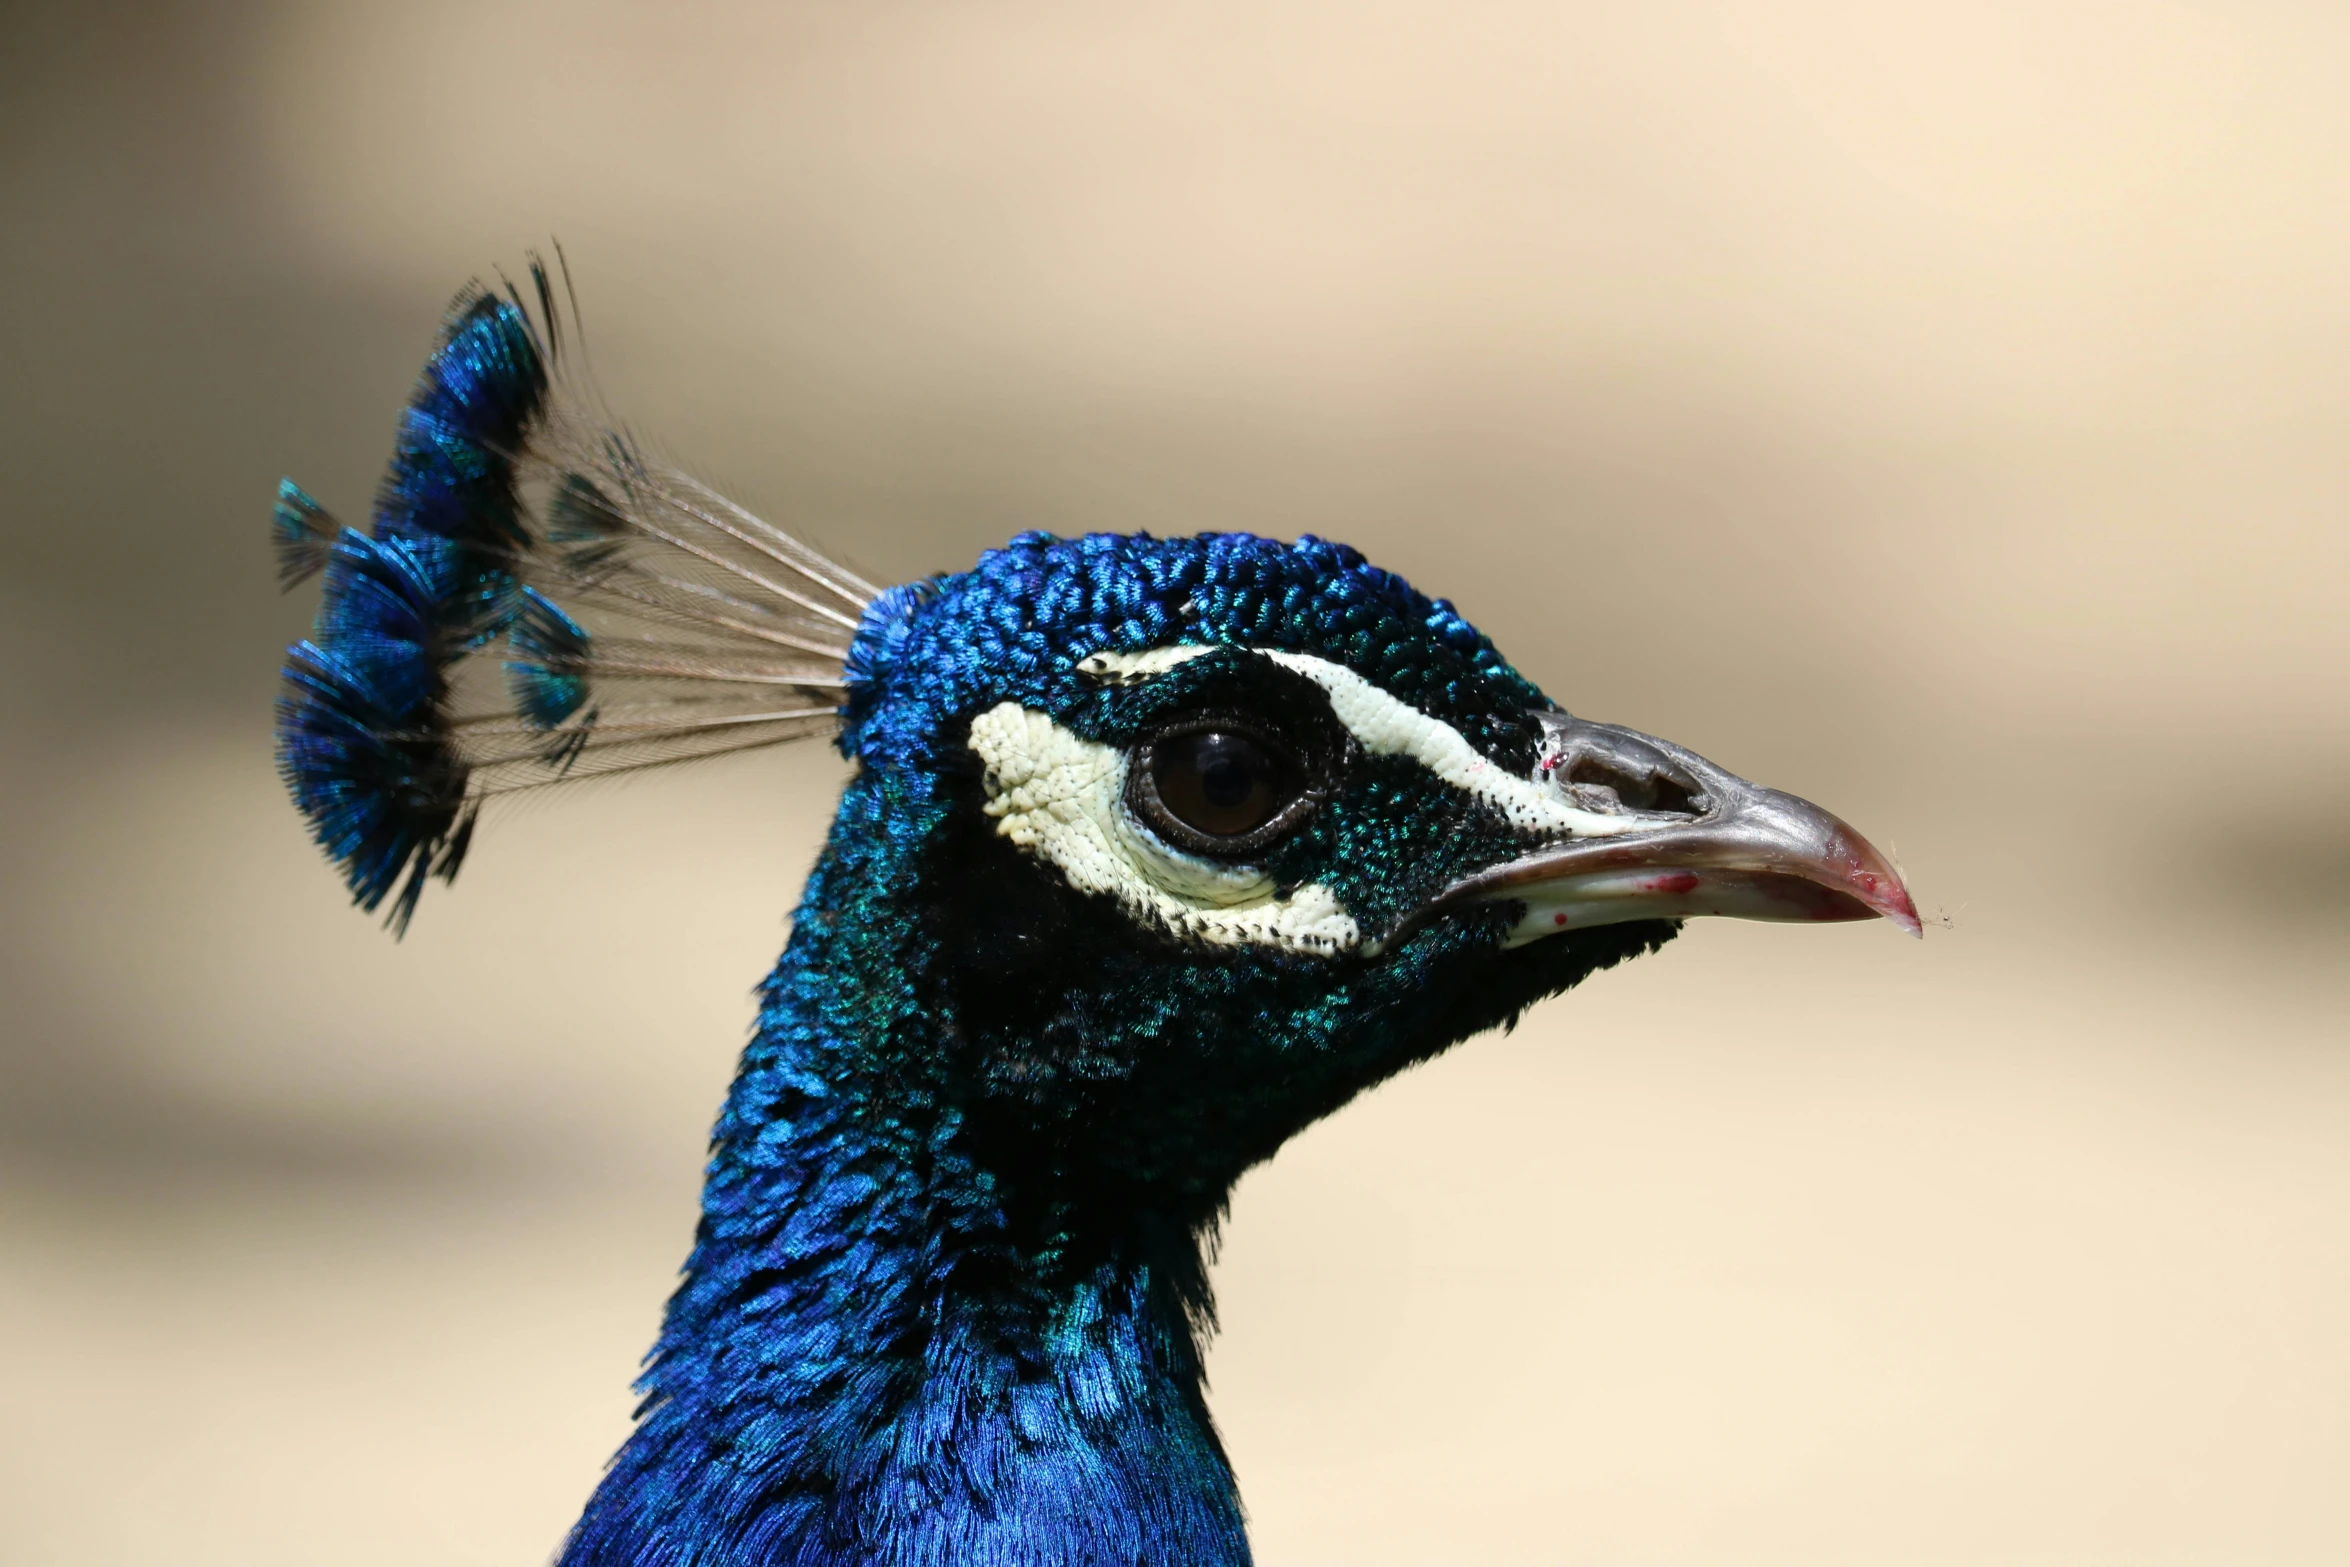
1938	410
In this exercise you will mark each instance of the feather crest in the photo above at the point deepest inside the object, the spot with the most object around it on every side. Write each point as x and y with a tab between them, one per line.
642	619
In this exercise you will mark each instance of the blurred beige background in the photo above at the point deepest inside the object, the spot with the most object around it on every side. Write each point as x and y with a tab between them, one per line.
1938	410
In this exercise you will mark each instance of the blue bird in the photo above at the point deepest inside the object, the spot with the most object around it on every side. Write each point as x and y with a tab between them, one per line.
1155	851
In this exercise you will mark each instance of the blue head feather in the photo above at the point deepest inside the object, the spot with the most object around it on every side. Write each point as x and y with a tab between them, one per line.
876	650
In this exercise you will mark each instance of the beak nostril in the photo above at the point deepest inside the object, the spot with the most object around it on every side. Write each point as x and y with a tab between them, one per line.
1636	791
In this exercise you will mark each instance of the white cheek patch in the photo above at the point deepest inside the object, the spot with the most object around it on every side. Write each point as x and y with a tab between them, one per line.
1063	798
1384	726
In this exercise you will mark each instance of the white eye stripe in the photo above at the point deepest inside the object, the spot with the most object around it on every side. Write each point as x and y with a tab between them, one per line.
1126	669
1385	726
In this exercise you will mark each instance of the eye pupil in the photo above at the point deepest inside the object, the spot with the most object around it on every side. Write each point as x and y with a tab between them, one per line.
1227	781
1221	784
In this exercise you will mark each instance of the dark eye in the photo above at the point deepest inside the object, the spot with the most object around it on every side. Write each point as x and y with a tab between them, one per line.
1219	790
1223	785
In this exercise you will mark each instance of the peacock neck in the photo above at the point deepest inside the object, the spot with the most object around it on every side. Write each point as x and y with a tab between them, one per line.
893	1347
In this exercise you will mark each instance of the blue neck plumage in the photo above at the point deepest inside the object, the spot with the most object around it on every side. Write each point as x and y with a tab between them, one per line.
889	1348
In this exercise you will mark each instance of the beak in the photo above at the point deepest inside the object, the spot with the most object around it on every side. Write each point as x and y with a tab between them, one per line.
1697	840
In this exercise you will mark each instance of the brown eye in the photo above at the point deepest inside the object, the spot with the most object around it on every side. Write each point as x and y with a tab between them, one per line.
1217	790
1219	784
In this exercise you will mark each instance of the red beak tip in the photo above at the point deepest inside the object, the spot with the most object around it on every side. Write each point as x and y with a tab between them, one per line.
1894	903
1877	885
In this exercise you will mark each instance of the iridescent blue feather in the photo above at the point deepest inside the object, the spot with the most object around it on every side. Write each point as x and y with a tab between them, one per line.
453	466
363	738
301	534
548	672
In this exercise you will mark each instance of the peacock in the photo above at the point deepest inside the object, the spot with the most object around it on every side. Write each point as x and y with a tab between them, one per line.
1154	851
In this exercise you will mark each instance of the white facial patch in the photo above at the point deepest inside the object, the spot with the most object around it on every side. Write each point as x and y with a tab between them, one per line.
1063	798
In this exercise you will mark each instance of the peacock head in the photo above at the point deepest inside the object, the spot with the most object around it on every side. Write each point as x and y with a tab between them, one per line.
1157	849
1199	837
